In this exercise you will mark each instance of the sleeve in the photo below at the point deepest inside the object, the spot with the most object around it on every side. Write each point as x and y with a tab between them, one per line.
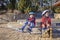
42	20
49	21
34	21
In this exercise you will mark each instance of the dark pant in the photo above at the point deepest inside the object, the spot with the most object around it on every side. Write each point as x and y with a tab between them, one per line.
43	29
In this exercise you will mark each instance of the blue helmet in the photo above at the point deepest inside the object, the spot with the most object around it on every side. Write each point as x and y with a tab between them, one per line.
31	13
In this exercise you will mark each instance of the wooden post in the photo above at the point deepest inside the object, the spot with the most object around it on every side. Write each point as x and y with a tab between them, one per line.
50	33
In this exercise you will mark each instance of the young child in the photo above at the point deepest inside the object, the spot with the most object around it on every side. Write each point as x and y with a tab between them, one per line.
30	22
46	21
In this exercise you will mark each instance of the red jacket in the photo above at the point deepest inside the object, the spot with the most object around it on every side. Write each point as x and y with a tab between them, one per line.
45	20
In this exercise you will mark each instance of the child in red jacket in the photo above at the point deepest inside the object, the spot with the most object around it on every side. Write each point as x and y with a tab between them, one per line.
46	21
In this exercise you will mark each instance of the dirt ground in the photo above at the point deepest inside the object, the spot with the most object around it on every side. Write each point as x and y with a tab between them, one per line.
9	34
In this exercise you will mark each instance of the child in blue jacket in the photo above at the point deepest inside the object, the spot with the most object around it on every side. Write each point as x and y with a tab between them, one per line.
30	22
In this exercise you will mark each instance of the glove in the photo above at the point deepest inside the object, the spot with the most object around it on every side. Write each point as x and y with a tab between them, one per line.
43	25
48	25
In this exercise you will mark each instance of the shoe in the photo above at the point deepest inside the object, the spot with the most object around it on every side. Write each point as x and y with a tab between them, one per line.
29	30
20	30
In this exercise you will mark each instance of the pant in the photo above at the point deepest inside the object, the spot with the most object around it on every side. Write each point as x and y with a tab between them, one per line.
30	26
43	30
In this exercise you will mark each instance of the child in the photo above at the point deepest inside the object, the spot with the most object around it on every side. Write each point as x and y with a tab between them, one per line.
30	22
46	21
